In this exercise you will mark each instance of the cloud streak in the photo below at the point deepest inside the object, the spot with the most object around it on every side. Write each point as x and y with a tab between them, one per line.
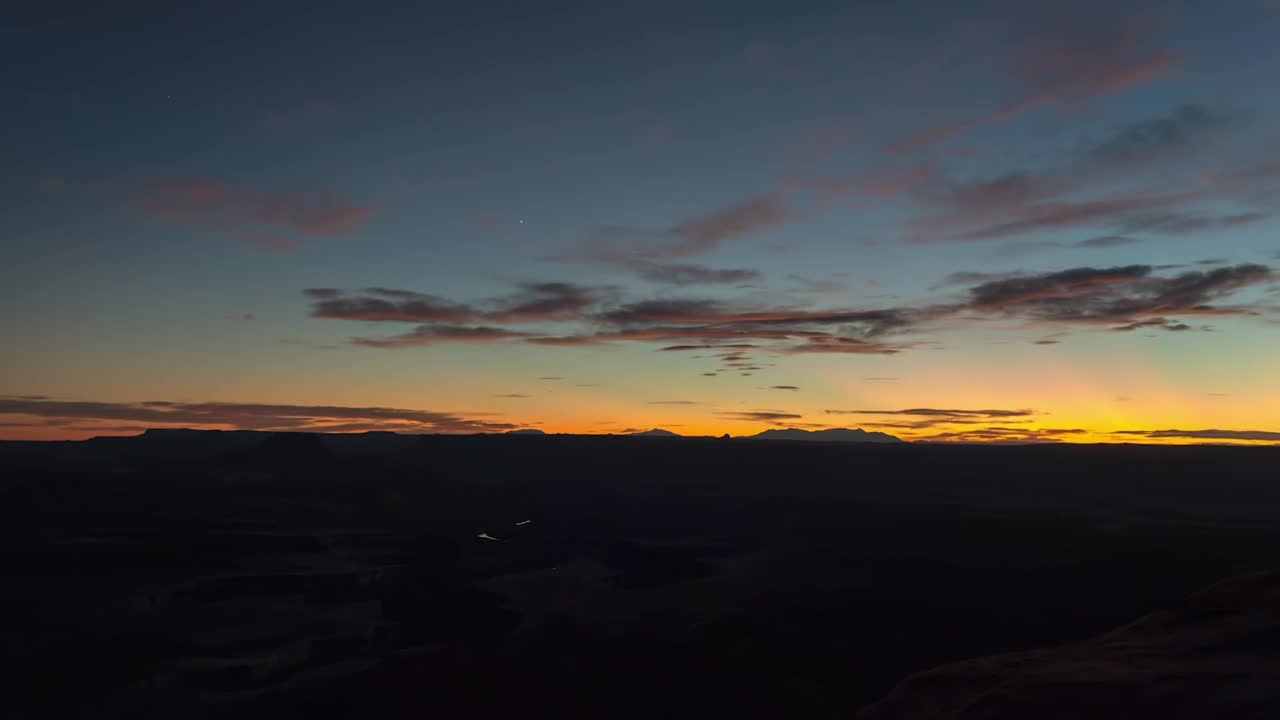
1125	298
701	234
1065	63
772	417
997	435
437	334
685	274
1125	295
531	303
1233	435
1133	180
270	221
951	413
250	416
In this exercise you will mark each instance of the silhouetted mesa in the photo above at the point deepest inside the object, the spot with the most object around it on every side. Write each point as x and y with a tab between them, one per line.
828	435
656	432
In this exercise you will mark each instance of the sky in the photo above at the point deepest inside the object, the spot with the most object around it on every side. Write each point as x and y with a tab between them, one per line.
978	221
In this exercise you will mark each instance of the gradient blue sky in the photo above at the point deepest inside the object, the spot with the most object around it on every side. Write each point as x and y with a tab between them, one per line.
1041	222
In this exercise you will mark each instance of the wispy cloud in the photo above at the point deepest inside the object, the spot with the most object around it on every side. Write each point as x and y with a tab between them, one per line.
322	293
1065	63
683	274
435	334
817	286
1128	297
651	254
272	243
772	417
1155	323
701	311
674	402
1146	177
248	416
1185	223
819	143
1235	435
260	217
1107	241
531	303
1005	435
700	234
1184	129
1118	295
950	413
724	346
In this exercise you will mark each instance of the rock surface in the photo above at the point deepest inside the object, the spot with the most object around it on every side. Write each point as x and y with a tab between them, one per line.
1216	656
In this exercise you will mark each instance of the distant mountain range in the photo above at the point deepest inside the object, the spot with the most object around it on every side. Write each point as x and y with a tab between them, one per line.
857	435
828	435
257	447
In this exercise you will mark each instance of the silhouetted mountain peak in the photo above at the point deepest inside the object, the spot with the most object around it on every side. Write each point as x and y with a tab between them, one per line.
828	435
656	432
526	431
289	449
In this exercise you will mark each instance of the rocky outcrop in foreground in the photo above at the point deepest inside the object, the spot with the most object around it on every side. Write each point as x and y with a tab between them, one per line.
1216	656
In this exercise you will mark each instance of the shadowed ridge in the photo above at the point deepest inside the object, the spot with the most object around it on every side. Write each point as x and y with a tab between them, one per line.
1215	655
655	432
286	451
178	443
828	435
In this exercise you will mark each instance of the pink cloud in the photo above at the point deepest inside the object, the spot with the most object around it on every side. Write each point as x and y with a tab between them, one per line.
323	215
944	132
1010	217
819	143
257	216
247	416
812	197
1065	64
269	242
704	233
434	334
187	198
841	190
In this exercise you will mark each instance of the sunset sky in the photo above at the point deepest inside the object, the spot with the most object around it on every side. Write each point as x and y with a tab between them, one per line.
990	221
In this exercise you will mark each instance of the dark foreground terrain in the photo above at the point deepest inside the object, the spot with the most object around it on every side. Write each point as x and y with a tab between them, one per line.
196	574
